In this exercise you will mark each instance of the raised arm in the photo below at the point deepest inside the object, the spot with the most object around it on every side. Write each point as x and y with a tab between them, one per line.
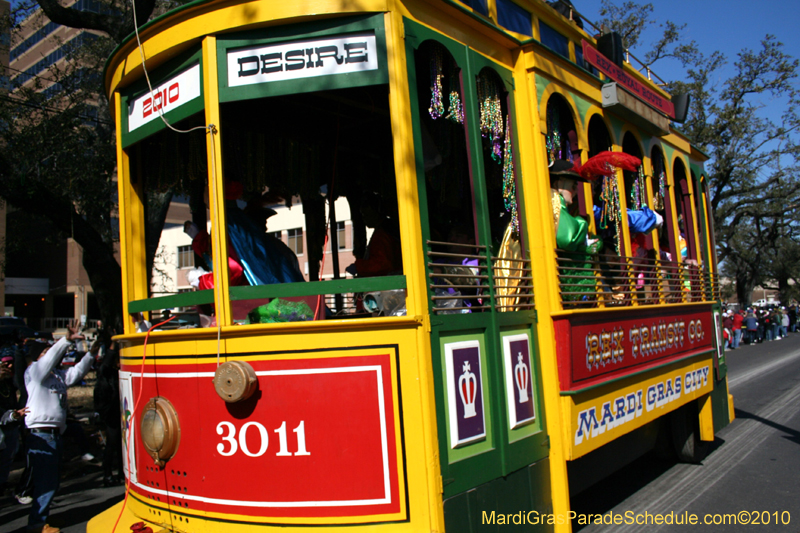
52	357
76	373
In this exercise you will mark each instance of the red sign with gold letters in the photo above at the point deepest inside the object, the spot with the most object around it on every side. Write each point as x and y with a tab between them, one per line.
593	349
631	84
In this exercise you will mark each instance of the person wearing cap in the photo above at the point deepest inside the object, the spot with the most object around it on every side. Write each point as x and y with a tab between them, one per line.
254	258
751	327
784	322
727	327
738	319
47	419
776	320
572	233
383	255
766	318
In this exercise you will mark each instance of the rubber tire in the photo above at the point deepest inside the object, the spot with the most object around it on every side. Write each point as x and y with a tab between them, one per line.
685	430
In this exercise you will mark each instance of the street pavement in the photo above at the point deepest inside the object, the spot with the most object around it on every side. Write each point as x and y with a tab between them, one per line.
751	471
80	497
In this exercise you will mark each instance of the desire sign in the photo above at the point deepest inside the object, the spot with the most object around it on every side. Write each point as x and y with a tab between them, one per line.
633	86
306	59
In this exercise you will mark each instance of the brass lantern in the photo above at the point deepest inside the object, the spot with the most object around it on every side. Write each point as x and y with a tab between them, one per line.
161	432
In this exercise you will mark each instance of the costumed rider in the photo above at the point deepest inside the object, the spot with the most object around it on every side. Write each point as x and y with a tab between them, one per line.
383	256
254	257
201	244
572	232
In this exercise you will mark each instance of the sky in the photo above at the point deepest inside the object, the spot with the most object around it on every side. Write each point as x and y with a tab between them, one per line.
725	25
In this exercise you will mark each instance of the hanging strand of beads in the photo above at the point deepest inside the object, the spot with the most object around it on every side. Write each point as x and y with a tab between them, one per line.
548	142
642	187
491	115
509	184
456	108
637	190
553	134
568	153
611	206
437	107
658	202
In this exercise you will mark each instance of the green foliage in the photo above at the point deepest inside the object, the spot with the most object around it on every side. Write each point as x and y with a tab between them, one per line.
753	177
58	154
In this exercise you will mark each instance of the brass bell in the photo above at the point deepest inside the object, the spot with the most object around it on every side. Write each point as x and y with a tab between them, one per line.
235	381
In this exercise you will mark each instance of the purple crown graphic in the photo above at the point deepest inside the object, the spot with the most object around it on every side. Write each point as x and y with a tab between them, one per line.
468	390
521	375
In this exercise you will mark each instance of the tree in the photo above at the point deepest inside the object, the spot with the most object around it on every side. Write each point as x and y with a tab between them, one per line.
753	168
58	152
753	171
58	163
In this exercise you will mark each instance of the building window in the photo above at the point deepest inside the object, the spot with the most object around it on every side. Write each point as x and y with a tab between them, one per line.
276	234
185	257
296	240
341	236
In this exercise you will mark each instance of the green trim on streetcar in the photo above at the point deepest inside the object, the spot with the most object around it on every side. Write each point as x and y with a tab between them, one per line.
183	299
316	288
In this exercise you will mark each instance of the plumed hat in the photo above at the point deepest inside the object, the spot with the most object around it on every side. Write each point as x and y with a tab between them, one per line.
606	164
564	169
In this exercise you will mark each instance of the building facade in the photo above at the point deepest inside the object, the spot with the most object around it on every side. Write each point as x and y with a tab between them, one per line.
45	294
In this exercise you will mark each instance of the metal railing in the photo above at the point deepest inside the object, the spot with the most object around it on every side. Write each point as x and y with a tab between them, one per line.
464	280
587	281
54	323
642	66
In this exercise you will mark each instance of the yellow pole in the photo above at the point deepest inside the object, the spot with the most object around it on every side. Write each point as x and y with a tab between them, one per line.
131	228
216	182
539	217
429	494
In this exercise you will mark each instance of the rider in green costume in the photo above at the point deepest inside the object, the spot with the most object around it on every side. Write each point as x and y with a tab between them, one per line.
572	240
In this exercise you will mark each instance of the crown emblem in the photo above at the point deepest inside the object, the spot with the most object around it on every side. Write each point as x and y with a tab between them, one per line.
468	390
521	375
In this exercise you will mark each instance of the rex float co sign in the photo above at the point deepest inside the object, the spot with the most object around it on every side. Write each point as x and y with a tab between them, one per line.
302	59
168	96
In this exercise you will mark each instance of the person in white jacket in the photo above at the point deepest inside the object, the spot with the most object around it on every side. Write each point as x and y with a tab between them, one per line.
47	419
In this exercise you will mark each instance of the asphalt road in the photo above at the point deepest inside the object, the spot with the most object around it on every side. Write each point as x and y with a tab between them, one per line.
752	471
80	497
754	465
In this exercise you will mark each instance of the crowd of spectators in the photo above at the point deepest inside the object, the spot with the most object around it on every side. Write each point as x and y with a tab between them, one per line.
751	326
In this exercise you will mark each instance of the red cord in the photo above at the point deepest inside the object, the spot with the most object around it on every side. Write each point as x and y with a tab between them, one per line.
133	416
